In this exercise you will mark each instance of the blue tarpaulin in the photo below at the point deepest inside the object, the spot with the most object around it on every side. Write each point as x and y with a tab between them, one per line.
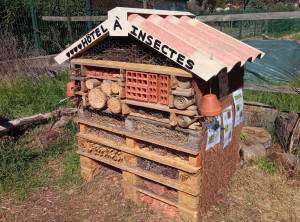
280	64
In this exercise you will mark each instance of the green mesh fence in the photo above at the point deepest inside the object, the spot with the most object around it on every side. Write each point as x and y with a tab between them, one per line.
24	20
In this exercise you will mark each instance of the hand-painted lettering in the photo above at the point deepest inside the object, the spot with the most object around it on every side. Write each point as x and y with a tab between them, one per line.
92	34
84	42
133	32
157	44
172	52
180	59
117	25
98	33
142	36
149	40
189	64
103	29
163	49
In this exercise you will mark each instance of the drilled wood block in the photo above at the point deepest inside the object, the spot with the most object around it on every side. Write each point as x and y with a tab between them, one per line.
190	179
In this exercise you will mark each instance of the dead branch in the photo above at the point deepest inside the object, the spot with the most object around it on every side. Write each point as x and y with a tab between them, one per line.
36	118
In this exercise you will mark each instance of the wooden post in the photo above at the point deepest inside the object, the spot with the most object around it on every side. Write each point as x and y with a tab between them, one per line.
69	20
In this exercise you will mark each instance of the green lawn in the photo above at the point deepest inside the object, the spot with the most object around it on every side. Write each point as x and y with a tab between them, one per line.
27	97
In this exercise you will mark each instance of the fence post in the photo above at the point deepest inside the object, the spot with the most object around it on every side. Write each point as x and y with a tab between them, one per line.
254	32
89	13
35	28
241	28
221	23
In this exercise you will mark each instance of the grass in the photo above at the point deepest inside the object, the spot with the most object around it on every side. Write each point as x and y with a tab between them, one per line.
25	165
281	101
27	97
295	37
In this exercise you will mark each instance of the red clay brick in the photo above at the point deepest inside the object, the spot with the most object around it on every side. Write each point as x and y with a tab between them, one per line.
164	87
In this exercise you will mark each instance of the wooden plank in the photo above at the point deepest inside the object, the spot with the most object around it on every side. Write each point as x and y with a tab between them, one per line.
160	107
149	117
151	155
182	93
81	93
133	67
250	16
104	77
125	133
151	176
278	89
74	18
206	18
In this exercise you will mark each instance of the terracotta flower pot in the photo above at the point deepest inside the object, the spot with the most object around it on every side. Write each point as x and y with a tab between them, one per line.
70	91
210	106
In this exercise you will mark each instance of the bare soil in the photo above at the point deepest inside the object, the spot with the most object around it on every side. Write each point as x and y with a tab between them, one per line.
252	195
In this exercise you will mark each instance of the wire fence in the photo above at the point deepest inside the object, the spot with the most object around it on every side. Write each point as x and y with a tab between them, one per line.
24	20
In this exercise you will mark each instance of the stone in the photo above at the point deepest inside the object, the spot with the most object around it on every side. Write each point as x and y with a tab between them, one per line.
257	135
287	159
252	151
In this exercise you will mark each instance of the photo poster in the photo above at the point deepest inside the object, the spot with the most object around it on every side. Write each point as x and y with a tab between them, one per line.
213	132
239	105
227	123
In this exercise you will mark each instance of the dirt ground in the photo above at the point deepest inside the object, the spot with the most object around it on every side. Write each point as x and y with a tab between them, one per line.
252	195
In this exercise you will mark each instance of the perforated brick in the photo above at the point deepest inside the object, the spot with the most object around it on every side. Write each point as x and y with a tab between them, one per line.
152	88
136	92
136	78
164	87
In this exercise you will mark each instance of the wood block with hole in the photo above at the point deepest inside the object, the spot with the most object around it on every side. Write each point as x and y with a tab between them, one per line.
190	179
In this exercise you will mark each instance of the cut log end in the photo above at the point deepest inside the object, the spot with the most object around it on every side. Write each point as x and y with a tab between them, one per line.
114	105
105	87
97	98
115	88
92	83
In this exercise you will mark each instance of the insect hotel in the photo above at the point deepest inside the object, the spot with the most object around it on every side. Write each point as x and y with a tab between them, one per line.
160	98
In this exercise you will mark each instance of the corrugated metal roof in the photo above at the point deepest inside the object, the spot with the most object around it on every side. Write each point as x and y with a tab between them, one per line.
197	47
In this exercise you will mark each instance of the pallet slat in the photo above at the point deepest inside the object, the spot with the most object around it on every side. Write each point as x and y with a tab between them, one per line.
160	179
132	135
179	164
